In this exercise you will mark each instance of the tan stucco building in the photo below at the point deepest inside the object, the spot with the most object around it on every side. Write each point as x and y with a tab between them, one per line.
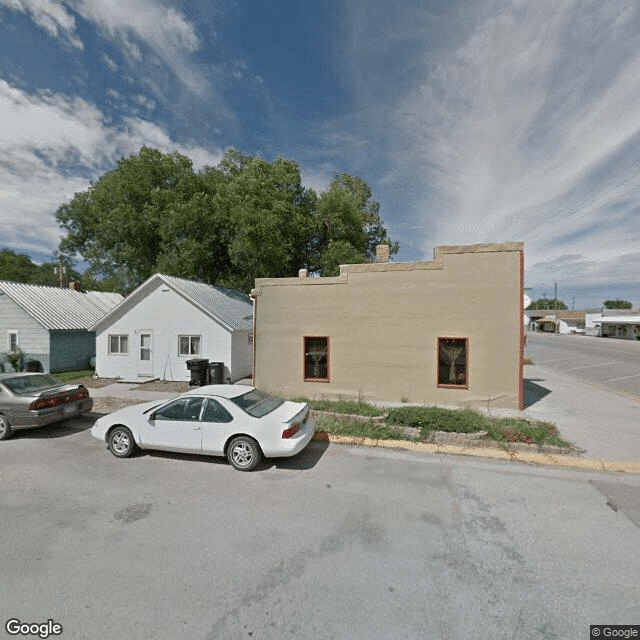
446	332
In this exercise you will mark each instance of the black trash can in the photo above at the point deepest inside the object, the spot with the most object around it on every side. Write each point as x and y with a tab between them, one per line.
216	372
198	368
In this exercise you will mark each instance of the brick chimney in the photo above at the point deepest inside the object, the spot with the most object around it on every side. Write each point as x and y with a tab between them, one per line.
382	253
74	286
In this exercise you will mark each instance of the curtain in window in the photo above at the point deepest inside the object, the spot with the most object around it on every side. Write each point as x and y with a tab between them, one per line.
451	351
317	353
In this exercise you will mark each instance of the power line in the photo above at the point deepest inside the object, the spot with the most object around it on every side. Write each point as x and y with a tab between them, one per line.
576	207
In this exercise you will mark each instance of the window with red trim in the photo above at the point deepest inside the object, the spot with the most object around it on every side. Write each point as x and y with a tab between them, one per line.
316	358
452	362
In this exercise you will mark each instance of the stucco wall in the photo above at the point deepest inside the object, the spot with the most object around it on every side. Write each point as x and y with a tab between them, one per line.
33	338
167	315
384	320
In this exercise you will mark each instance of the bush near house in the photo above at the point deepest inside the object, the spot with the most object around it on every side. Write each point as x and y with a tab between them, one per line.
15	359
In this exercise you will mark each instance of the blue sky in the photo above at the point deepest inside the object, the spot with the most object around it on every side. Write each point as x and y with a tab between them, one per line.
472	120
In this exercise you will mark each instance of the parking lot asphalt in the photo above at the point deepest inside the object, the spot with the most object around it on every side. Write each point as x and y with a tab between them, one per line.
606	362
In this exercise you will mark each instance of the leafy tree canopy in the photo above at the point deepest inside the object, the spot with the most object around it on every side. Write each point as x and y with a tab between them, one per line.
18	267
246	218
545	303
617	304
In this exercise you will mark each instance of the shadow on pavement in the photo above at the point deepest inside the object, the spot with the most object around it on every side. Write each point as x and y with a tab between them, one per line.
534	392
306	459
57	429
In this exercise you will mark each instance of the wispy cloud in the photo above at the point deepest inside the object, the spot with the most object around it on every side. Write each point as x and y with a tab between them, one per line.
51	16
51	145
143	30
529	131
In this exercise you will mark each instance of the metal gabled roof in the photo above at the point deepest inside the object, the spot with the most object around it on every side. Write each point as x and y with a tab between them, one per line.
61	309
230	307
234	308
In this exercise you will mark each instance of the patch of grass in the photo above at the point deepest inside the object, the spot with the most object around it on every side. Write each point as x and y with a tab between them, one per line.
346	427
429	419
503	430
528	361
70	376
528	431
343	405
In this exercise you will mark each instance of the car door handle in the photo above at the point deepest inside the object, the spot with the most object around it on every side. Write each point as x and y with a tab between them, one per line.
195	428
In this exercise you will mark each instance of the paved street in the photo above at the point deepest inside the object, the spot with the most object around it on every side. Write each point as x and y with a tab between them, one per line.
608	362
340	542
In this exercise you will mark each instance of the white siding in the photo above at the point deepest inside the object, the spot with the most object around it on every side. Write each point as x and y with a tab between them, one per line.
167	315
33	338
242	356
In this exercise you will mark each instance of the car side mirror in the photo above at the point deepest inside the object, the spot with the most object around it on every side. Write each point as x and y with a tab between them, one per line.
152	417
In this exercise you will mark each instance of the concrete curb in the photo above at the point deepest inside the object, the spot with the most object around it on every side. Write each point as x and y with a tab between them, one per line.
587	464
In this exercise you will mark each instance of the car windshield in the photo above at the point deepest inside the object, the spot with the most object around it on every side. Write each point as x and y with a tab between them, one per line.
31	384
257	403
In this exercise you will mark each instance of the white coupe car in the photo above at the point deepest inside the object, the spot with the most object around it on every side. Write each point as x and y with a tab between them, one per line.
239	422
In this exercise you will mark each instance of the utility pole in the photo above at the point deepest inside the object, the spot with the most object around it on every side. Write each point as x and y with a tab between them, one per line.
555	302
60	271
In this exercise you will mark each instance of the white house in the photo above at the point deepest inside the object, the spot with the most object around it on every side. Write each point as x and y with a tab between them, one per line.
167	321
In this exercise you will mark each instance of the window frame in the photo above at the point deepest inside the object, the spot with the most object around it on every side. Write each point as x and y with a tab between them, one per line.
189	336
119	336
304	359
181	401
10	333
466	363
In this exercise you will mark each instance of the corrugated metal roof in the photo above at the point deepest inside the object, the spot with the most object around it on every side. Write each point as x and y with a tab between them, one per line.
61	309
231	306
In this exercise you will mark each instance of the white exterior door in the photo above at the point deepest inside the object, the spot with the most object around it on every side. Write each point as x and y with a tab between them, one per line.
145	353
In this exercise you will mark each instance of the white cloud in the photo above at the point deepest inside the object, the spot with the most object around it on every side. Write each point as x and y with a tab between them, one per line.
51	16
529	132
110	62
132	24
50	147
164	30
144	101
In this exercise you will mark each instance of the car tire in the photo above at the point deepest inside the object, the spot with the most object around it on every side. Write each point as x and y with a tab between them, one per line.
5	428
121	442
244	453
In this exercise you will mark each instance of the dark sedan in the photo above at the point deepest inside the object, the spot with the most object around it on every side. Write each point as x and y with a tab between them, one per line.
34	399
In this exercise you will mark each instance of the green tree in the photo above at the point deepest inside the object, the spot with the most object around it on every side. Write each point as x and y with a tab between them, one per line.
243	219
617	304
18	267
337	253
347	214
116	225
271	222
544	303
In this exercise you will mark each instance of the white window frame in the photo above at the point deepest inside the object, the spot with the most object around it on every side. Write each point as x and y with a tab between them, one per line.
120	351
250	338
10	333
190	352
